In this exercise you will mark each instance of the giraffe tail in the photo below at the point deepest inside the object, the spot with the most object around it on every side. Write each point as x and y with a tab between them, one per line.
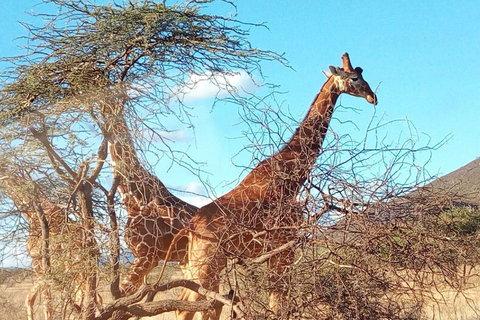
182	233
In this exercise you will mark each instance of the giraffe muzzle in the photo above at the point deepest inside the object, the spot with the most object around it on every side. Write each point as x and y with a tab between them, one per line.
372	99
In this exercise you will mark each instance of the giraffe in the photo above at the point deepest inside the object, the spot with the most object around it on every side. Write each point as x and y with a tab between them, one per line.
154	214
66	256
248	220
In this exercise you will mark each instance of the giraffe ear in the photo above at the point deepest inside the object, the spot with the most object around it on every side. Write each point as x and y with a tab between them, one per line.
358	70
334	70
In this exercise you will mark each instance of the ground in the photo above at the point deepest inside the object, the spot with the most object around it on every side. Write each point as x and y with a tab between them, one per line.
15	284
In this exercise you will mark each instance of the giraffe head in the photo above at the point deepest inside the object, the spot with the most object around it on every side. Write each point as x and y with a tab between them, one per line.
350	80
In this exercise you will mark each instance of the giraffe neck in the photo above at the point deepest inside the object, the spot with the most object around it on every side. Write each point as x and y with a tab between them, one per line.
290	167
136	183
137	186
306	142
125	163
55	216
298	156
16	188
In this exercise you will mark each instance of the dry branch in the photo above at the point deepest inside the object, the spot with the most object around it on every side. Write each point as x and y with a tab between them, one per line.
126	307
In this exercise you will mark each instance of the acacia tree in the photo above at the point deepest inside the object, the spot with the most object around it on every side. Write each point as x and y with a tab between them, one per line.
136	54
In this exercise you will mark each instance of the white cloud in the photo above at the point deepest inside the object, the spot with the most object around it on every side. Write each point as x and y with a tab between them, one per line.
195	193
209	85
195	187
197	200
176	136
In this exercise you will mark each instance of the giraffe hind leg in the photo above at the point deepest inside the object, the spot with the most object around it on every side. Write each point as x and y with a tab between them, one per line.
279	274
47	302
30	299
207	275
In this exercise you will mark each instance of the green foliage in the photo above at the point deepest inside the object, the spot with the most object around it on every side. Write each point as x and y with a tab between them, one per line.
386	269
89	46
461	221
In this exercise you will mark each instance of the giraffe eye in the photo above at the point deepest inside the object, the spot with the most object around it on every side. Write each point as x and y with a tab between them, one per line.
354	79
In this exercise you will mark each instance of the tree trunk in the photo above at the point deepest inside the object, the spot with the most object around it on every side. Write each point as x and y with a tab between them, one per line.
91	254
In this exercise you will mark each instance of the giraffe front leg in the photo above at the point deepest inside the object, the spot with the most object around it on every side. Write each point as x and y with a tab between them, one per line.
47	302
279	266
203	267
30	299
140	268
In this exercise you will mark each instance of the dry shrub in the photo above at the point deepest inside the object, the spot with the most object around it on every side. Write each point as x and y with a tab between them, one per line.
370	268
11	310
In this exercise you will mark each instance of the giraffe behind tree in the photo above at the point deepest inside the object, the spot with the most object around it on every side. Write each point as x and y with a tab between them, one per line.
66	250
251	219
155	215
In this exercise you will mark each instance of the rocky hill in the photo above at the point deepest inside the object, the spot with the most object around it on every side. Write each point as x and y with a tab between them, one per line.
458	188
463	183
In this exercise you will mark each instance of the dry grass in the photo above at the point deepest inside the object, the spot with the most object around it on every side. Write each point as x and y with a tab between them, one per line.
14	286
453	305
445	304
16	283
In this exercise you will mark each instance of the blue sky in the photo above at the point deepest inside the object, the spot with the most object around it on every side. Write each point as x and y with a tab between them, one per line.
422	55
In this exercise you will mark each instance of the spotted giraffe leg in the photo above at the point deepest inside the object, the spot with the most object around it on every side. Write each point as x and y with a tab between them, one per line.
144	261
30	299
202	267
139	269
279	266
47	302
39	286
212	283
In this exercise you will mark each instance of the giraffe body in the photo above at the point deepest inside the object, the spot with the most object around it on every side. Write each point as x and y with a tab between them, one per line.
66	250
154	214
68	255
254	217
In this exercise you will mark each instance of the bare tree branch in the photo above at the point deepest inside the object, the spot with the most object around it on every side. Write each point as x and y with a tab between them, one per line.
128	304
